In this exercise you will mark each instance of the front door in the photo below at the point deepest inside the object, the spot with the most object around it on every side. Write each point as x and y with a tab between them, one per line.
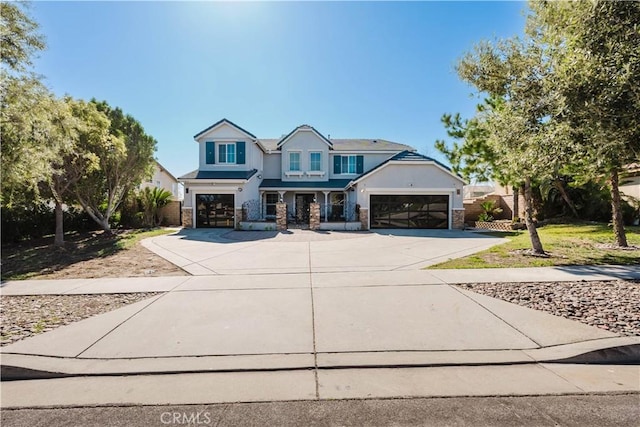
302	207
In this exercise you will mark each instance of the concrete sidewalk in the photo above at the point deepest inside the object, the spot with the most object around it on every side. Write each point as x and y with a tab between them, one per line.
314	336
320	280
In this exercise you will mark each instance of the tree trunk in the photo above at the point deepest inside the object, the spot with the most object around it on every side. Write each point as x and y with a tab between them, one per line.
563	193
536	244
59	239
102	221
616	211
516	204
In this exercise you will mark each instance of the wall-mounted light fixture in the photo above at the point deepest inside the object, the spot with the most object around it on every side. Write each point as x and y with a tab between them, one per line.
239	189
259	176
186	190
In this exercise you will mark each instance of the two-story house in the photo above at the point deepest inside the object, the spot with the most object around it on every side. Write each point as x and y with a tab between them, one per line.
368	182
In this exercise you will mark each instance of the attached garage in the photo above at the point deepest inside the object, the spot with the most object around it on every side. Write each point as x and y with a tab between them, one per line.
411	191
409	211
214	210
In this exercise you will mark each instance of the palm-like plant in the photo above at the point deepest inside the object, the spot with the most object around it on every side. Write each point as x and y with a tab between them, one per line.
153	199
489	209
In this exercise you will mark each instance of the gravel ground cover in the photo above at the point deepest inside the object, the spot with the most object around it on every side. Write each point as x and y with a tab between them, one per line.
610	305
25	316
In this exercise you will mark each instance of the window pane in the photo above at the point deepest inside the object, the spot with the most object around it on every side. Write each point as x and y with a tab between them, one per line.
316	161
222	153
294	161
352	164
345	164
231	153
272	198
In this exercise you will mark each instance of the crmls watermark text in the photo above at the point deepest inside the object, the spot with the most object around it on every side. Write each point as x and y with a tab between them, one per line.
186	418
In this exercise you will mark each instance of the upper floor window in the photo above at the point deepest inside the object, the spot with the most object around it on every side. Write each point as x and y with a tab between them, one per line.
351	164
294	161
227	153
316	161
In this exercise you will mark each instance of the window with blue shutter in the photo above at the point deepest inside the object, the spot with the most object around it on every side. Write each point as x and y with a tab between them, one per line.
359	164
210	153
240	149
337	164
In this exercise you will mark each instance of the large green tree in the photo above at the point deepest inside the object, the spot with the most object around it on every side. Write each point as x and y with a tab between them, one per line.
79	125
27	109
19	36
517	127
594	48
124	158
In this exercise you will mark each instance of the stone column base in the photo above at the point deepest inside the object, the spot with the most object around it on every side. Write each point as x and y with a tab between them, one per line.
281	216
187	217
457	220
364	218
239	216
314	216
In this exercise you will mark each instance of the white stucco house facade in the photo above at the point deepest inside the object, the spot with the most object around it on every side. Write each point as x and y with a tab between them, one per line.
363	183
162	178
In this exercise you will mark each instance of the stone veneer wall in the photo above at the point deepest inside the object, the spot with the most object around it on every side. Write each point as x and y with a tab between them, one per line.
187	217
281	216
364	218
239	216
314	216
457	221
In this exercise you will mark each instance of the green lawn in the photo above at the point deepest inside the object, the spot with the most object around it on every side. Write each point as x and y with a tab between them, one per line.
572	244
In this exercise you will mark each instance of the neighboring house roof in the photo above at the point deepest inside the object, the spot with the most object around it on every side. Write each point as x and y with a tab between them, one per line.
299	128
349	145
198	174
223	121
409	157
632	169
163	169
331	184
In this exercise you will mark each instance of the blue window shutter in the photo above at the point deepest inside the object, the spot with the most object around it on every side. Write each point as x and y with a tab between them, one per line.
359	164
337	163
240	152
211	153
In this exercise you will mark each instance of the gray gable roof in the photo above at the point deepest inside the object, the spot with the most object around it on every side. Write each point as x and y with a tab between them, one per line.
408	156
350	145
198	174
307	127
229	122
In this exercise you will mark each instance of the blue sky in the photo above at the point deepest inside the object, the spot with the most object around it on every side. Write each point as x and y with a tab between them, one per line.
352	70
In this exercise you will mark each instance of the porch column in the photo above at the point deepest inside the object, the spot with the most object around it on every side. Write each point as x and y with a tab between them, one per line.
281	216
326	205
344	205
263	208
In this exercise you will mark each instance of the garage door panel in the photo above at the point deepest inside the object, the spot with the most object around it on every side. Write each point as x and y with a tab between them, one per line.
409	211
214	210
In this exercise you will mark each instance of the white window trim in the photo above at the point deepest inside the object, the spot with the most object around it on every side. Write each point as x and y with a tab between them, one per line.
315	173
235	153
310	162
355	156
294	172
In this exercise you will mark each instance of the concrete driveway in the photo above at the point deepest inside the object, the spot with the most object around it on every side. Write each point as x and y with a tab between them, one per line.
223	251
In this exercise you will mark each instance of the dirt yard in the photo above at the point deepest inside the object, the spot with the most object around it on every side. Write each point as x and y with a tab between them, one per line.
86	255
